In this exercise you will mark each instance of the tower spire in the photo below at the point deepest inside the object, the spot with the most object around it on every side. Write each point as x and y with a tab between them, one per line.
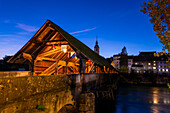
96	40
96	47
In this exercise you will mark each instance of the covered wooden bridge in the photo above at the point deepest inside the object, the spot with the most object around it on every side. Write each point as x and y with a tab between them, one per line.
53	51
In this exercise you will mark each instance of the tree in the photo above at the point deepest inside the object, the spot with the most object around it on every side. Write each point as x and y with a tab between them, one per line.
159	13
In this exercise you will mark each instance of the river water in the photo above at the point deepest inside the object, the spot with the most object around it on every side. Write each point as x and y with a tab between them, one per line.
138	99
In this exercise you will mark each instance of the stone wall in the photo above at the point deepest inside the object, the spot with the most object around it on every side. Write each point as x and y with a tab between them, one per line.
49	102
19	89
8	74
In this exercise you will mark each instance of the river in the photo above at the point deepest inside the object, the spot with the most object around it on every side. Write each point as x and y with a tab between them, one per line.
138	99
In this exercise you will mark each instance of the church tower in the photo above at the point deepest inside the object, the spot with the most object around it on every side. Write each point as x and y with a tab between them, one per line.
96	47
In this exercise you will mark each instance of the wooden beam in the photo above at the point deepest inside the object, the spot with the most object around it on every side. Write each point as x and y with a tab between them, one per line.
45	58
91	68
52	67
27	56
50	41
50	52
55	44
41	66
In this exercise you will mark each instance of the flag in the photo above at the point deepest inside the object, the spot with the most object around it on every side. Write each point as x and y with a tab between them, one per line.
72	54
69	55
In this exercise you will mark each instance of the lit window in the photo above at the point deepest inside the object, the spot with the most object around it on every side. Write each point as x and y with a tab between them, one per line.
159	66
149	63
154	61
154	67
159	69
163	69
167	70
136	63
154	64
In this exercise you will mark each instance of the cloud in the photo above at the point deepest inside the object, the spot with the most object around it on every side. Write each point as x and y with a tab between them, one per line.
23	33
9	39
10	36
27	27
7	21
83	31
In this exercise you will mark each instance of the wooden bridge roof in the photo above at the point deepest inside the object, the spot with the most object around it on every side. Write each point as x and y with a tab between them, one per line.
35	44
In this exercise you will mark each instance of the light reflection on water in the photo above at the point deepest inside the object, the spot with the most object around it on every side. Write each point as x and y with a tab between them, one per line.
143	100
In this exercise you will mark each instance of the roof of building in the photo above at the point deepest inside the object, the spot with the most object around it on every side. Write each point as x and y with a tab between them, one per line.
137	65
147	53
31	46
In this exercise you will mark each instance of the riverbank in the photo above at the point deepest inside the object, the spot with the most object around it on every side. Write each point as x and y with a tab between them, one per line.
150	79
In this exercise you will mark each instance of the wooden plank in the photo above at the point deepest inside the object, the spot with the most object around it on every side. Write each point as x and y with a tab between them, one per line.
41	66
50	41
91	68
52	67
63	63
50	52
45	58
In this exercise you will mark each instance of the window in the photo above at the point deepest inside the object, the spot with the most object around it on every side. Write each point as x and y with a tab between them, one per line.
154	67
167	70
159	69
154	64
136	63
149	64
163	69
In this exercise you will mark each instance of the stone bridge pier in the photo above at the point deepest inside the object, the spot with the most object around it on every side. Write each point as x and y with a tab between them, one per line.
52	94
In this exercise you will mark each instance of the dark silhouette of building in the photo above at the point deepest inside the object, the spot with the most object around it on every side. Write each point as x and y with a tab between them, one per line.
5	66
96	47
124	60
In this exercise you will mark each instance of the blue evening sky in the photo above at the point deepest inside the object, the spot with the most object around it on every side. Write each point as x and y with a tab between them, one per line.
117	23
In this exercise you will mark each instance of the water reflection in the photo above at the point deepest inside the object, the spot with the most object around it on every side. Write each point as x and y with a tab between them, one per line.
155	95
143	100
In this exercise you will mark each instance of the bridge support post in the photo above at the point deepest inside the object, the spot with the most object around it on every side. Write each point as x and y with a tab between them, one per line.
87	103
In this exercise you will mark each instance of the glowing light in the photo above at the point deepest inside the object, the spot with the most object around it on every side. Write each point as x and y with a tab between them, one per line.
155	101
64	50
154	67
167	70
149	63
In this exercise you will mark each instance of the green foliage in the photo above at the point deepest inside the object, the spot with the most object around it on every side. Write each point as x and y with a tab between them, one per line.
40	107
158	11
